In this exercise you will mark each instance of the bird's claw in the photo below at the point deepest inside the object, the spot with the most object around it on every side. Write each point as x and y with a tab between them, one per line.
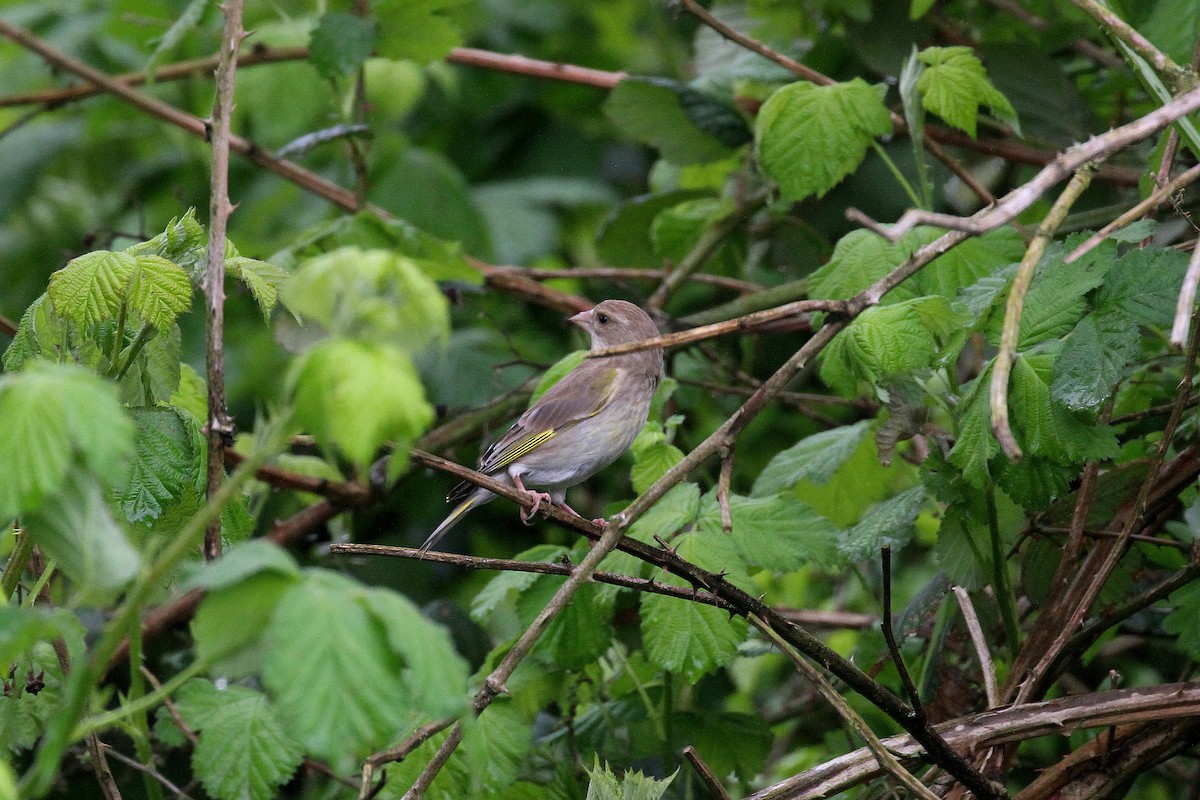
527	514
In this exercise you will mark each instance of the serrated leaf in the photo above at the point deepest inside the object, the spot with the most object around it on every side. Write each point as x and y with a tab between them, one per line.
191	395
633	785
973	302
341	43
90	288
1093	359
887	523
262	279
153	376
240	562
493	747
53	416
41	332
970	262
779	533
79	532
1143	286
963	549
183	242
888	341
435	673
653	455
955	85
159	290
420	30
374	294
187	21
335	678
508	584
813	458
229	622
168	458
975	445
677	508
624	237
688	638
580	633
668	116
243	752
860	258
810	137
1047	428
354	396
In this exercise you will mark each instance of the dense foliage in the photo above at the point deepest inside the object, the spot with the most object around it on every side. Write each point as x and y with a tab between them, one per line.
989	397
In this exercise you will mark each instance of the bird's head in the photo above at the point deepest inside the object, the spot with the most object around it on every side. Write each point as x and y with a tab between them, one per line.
615	322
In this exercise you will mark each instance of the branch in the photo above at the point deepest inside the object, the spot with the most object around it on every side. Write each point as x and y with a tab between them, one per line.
704	771
1187	300
1002	366
1178	77
743	324
496	277
536	68
219	209
889	636
1085	47
974	732
981	648
629	273
540	567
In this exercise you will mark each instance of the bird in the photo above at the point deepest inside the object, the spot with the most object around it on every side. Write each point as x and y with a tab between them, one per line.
583	423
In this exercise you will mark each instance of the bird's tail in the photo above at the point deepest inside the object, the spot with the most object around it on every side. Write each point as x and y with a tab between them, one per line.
477	498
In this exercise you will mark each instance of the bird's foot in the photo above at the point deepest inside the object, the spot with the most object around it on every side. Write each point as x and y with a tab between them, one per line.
601	521
527	514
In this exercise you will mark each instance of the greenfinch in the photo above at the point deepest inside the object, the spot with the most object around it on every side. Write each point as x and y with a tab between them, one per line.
579	426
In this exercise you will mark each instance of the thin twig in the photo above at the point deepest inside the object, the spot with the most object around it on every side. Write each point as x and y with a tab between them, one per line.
1085	47
148	770
883	756
724	478
1187	300
742	324
889	636
1174	75
219	209
1155	199
1006	355
397	752
540	567
7	326
632	274
104	776
755	46
704	771
981	647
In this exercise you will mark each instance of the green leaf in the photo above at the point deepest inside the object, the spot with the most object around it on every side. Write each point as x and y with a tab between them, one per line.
685	125
558	370
778	533
53	416
975	445
262	279
153	376
920	8
191	395
40	333
375	294
1093	359
493	748
240	562
955	85
887	523
243	752
810	137
970	262
434	672
1047	428
1143	286
813	458
341	43
1184	619
230	621
580	633
79	532
22	628
183	242
354	396
332	672
963	549
159	290
973	302
632	786
677	508
688	638
168	459
731	743
90	288
860	258
624	237
653	455
420	30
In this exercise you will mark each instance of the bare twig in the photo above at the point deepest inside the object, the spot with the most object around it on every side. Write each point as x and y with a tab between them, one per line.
1176	77
883	756
704	771
219	209
975	732
1155	199
148	770
535	68
1187	300
172	709
7	326
104	776
724	478
889	636
540	567
1002	366
398	753
739	325
1084	47
981	648
632	274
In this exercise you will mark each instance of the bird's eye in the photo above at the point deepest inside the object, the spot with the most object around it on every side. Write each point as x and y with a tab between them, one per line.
602	319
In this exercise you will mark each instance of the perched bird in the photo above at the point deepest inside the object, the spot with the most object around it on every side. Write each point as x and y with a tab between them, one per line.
579	426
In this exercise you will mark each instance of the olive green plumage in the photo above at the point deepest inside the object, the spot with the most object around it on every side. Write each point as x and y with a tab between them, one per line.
580	425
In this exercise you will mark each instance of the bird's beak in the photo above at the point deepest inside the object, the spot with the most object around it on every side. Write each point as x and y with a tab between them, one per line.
583	319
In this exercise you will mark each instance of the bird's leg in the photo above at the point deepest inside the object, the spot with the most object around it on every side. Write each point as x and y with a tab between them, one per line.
538	497
601	521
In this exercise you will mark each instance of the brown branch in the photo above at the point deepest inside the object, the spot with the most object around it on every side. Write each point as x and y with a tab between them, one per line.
705	773
737	37
633	274
1187	300
744	324
535	68
496	277
1084	47
889	637
986	666
147	770
398	753
975	732
1177	77
7	326
340	492
648	585
1006	355
219	209
104	776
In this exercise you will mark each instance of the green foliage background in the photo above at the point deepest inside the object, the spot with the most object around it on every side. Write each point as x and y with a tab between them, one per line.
361	332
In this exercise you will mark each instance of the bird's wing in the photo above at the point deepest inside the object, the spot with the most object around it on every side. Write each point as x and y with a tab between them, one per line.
581	394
